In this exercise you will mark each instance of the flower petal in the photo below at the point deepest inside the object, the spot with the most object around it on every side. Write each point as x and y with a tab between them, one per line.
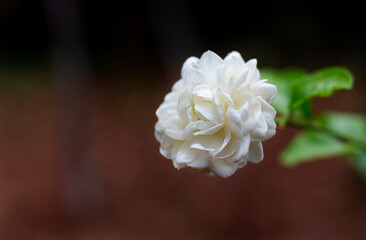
244	147
199	160
230	149
209	63
174	132
241	78
253	74
189	64
243	162
255	152
234	121
266	107
166	109
250	113
210	130
225	142
184	154
223	168
220	107
260	131
209	143
194	76
235	58
178	86
203	91
168	146
194	126
184	102
208	111
224	97
265	90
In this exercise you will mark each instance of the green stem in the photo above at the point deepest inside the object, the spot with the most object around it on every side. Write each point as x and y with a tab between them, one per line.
306	124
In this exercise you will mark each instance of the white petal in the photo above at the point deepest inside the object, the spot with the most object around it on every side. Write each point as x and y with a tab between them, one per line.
266	107
168	146
210	130
268	114
244	111
236	60
230	149
184	154
244	147
192	127
208	111
166	108
231	72
171	97
255	109
233	54
223	169
190	63
209	63
203	125
200	160
265	90
188	131
225	142
194	76
191	116
178	85
242	98
243	162
255	152
203	91
241	78
221	77
184	102
260	131
253	74
209	143
251	121
220	107
224	97
249	126
235	57
234	121
159	131
225	77
174	132
201	146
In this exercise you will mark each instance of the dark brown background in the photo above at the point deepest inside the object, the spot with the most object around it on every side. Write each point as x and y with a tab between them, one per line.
79	85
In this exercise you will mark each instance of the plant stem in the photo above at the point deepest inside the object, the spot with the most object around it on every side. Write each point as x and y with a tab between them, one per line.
307	124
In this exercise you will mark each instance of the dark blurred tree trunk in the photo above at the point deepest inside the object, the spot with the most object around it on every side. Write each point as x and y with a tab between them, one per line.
81	189
176	33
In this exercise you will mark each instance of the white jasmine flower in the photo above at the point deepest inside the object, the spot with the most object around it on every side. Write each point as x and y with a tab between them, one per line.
217	115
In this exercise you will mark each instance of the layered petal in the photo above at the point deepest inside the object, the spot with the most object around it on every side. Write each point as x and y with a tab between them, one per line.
223	168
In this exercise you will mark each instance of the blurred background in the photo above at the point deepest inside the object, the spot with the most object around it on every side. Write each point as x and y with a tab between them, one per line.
79	85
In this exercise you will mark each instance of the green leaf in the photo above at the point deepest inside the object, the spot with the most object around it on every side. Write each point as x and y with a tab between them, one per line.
349	126
313	145
321	83
284	81
358	161
304	110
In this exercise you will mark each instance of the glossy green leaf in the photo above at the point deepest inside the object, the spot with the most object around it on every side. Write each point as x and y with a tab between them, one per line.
349	126
304	110
284	81
310	145
321	83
